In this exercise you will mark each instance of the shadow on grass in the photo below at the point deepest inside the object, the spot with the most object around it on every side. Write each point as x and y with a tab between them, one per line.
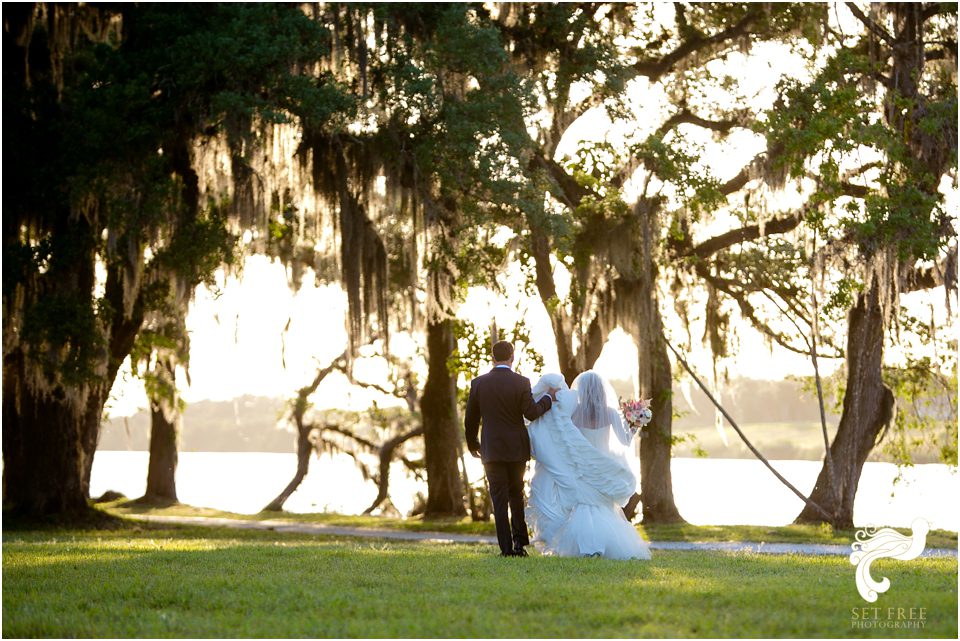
89	519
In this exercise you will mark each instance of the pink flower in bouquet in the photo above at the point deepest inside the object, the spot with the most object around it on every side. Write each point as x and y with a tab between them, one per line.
637	413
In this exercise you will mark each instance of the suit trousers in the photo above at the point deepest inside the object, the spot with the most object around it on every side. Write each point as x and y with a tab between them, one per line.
506	490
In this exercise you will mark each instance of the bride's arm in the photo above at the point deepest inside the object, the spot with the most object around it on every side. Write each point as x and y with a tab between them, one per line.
624	433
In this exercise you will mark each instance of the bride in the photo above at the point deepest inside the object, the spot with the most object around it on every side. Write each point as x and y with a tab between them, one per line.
582	475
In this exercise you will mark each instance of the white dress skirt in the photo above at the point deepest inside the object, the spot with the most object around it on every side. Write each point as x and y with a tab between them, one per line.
579	486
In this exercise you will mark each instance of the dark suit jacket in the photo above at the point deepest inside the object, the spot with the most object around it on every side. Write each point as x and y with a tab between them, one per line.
500	399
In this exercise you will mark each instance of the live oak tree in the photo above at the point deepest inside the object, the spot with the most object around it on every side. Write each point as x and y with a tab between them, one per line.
877	127
868	150
425	132
104	109
615	250
422	131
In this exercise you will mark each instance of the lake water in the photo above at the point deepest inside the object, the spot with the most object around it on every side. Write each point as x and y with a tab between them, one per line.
707	491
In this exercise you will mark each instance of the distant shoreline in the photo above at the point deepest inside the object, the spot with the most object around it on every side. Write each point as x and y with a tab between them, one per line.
779	417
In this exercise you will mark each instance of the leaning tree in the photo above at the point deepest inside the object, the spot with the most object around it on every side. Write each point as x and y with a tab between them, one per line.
865	150
881	135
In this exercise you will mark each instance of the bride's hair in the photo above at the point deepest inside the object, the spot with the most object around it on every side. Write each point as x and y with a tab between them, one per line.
594	399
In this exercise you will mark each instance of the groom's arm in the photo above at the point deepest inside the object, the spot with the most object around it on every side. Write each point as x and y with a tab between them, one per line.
471	421
533	410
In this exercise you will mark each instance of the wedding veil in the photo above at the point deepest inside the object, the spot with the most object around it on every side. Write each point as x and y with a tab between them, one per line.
596	398
598	407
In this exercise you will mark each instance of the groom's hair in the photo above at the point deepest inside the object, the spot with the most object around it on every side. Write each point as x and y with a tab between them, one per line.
502	351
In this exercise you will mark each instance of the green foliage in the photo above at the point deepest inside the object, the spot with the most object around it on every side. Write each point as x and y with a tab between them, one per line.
108	178
595	164
69	329
691	438
480	264
842	297
472	355
827	125
230	64
926	393
678	163
198	249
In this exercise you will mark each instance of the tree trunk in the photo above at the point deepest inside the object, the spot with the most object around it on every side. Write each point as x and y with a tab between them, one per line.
50	436
656	443
304	446
123	333
868	407
91	420
655	377
165	424
386	458
43	454
162	468
304	449
441	430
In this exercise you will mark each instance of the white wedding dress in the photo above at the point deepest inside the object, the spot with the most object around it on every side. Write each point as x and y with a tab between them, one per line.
581	478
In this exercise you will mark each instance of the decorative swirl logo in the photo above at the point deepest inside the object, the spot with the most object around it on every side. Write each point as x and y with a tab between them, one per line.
873	544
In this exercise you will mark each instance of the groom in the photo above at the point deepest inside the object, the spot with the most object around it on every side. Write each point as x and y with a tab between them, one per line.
500	399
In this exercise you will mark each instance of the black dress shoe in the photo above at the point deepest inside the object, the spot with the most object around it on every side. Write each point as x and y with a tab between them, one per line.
520	552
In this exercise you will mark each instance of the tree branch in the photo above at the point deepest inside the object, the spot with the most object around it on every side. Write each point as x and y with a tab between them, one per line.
571	191
685	116
736	183
747	233
941	54
854	190
336	363
356	457
870	24
336	429
936	9
744	438
657	68
386	457
747	309
921	278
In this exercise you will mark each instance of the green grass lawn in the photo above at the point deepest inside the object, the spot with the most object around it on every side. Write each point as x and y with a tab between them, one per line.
150	581
684	532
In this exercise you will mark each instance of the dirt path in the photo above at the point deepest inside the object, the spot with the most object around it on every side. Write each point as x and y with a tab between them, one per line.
813	549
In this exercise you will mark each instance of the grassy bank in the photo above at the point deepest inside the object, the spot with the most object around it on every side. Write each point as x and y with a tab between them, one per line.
193	582
684	532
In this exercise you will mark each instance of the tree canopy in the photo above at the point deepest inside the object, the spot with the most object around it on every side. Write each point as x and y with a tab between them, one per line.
384	147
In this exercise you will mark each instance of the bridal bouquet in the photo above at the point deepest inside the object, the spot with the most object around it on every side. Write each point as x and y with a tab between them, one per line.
637	413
